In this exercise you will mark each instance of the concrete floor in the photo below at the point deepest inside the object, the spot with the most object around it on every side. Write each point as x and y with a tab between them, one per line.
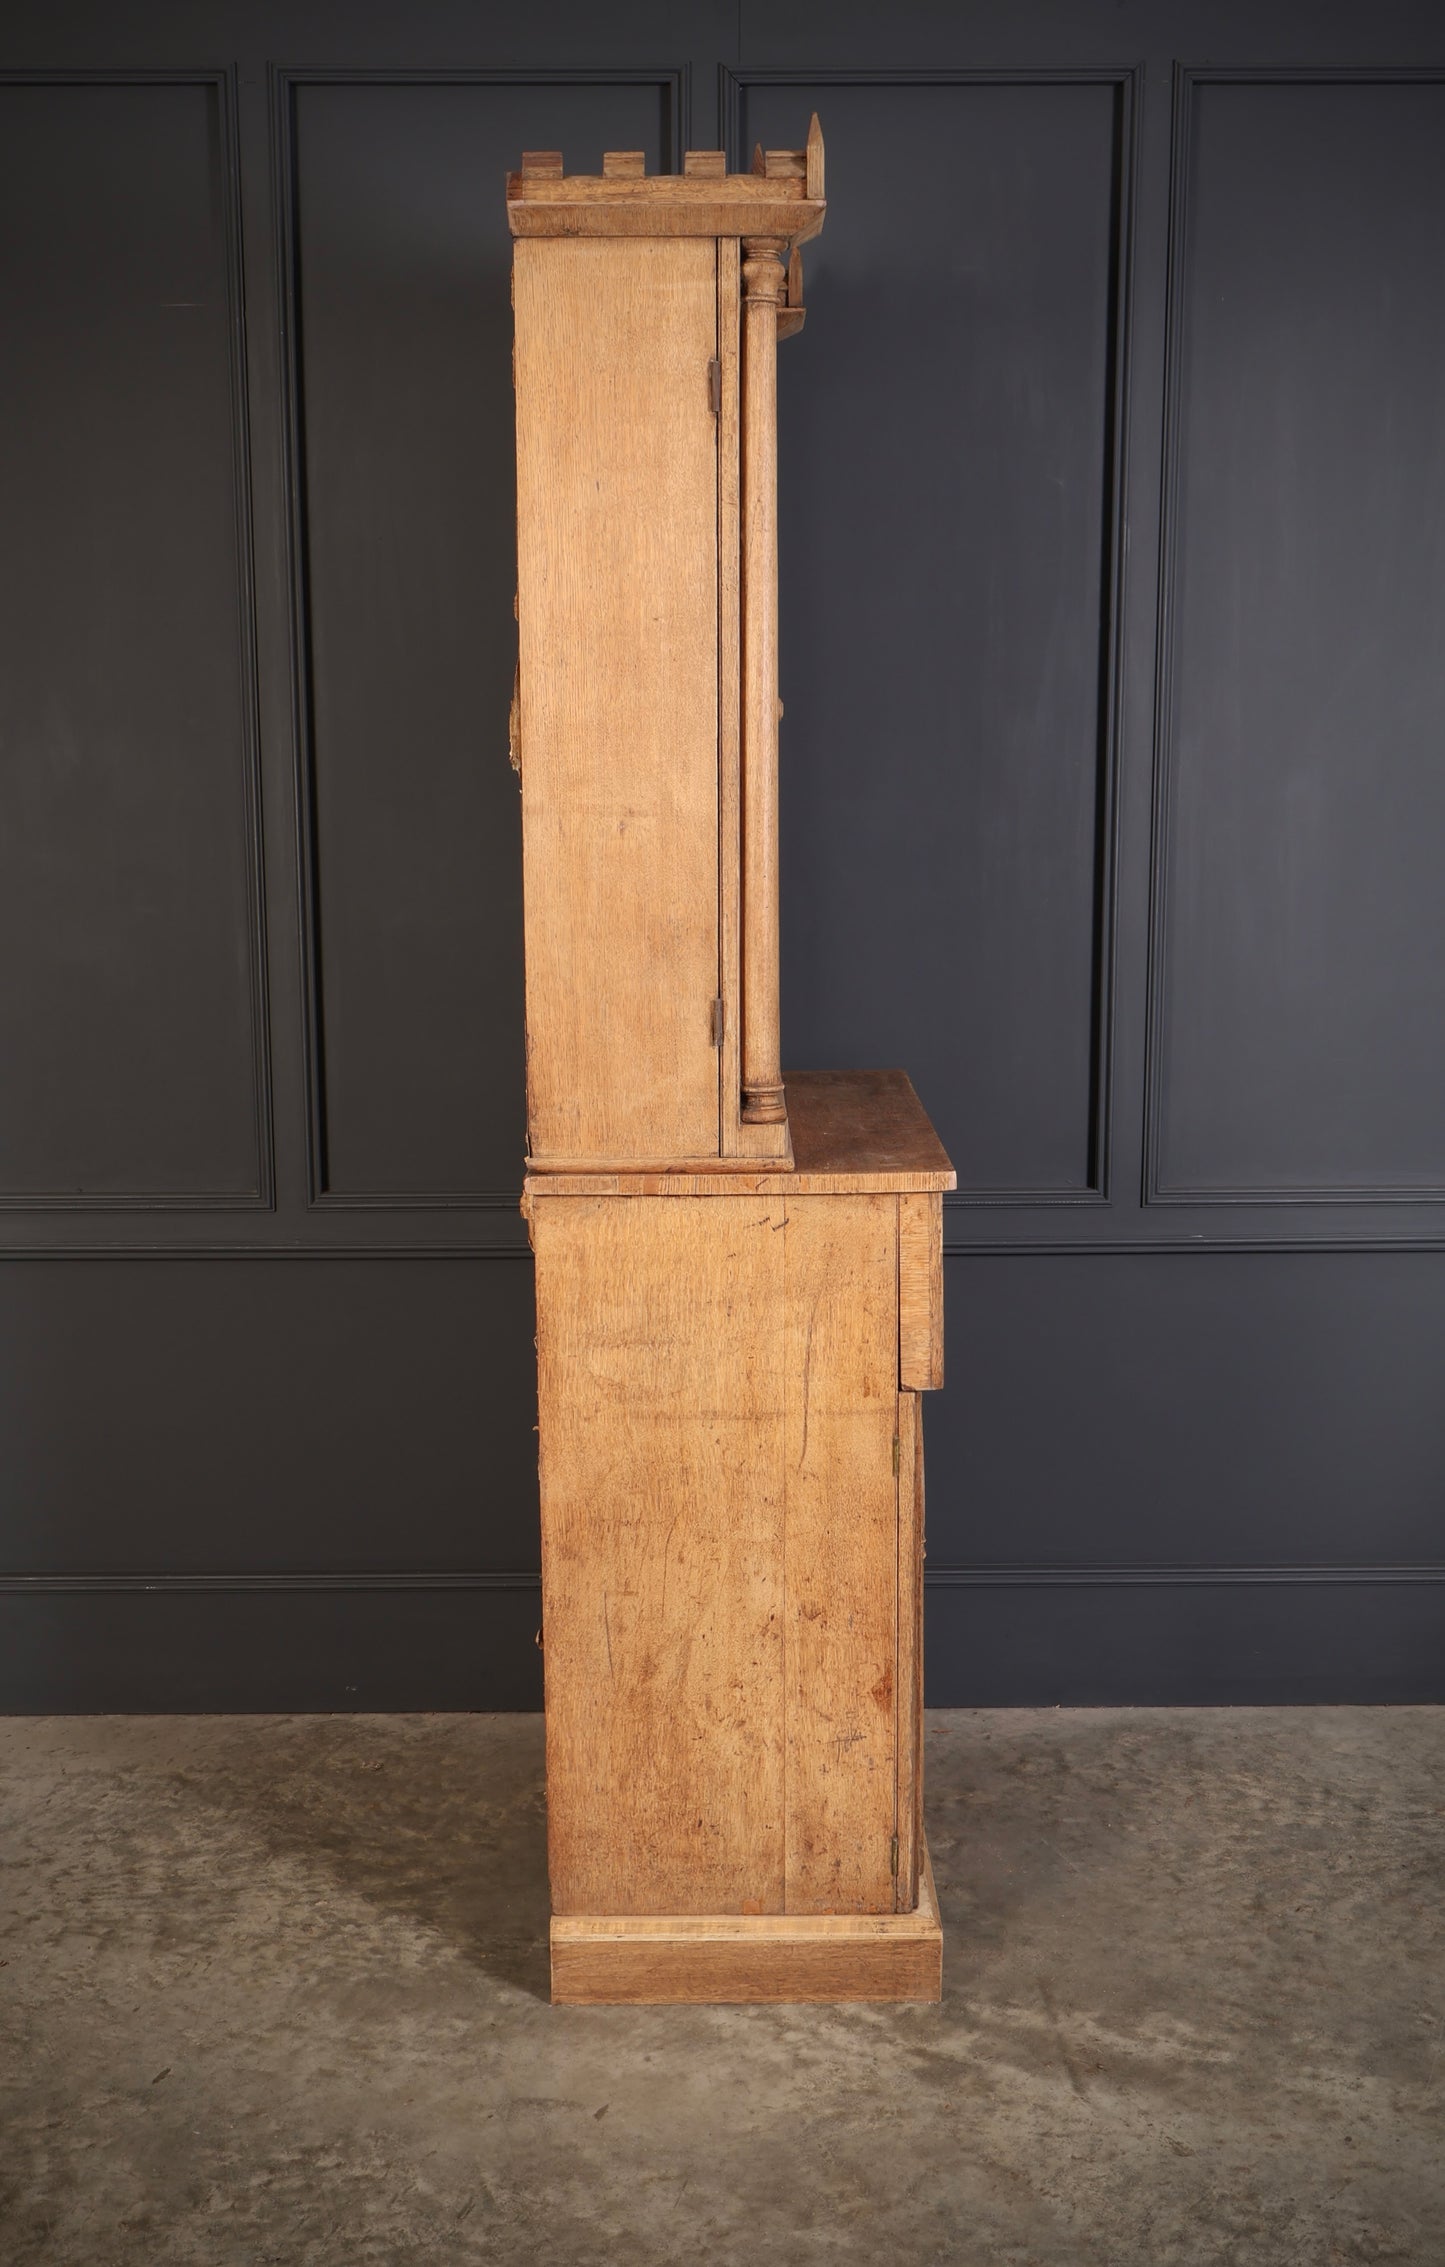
274	1990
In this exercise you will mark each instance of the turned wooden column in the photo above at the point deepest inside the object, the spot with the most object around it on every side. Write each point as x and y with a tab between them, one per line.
764	288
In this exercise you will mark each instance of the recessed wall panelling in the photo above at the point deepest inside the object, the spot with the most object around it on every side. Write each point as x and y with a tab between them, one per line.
128	938
1201	1645
240	1414
276	1651
1301	980
1195	1409
408	562
946	468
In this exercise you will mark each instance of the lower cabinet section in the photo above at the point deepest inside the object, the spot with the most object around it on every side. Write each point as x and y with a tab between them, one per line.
732	1487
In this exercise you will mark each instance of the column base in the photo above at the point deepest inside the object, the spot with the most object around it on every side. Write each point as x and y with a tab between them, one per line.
652	1959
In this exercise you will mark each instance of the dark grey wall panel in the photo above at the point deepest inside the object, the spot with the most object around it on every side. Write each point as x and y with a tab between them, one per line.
1303	921
946	463
250	1413
1216	1409
293	1466
128	945
1207	1645
159	1651
407	512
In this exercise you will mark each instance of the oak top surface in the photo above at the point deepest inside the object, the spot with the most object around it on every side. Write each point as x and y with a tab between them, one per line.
863	1122
853	1131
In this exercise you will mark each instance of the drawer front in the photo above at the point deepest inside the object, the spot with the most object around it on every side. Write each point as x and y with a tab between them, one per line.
920	1293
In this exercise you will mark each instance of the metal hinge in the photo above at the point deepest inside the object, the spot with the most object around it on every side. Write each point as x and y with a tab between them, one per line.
714	386
893	1858
717	1023
897	1445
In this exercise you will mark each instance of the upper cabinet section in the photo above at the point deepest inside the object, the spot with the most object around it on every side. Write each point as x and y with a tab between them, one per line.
645	727
618	699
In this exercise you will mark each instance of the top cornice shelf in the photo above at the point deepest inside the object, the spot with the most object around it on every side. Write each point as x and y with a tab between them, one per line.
782	197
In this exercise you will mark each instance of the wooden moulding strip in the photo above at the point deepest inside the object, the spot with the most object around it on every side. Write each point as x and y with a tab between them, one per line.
741	204
724	1177
613	1959
629	1176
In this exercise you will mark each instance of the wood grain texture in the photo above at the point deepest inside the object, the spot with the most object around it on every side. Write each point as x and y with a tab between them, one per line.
661	1429
666	205
920	1292
593	1176
841	1543
853	1132
618	614
865	1122
721	1478
910	1649
818	1958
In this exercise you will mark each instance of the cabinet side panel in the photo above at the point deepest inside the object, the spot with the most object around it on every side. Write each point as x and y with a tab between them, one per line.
842	1552
661	1414
617	610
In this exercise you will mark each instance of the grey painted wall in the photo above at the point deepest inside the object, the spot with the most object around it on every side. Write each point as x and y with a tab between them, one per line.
1114	808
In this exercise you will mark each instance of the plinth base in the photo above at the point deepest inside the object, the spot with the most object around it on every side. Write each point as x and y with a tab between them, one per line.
614	1960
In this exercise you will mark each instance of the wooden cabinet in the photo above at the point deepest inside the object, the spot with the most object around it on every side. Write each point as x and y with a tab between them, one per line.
646	721
739	1282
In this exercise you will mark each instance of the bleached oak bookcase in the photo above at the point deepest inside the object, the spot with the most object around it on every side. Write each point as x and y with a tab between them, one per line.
739	1277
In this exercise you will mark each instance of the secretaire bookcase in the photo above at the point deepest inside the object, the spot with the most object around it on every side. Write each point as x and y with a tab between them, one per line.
739	1278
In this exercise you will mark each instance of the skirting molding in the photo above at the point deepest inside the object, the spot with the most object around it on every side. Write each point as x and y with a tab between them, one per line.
1167	1577
936	1578
49	1585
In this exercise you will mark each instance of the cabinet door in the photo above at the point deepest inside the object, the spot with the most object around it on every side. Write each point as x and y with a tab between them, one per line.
618	723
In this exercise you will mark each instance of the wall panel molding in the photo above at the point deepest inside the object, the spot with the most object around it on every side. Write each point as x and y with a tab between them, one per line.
943	1577
313	1251
1174	1246
1187	80
173	1584
220	82
1167	1577
734	82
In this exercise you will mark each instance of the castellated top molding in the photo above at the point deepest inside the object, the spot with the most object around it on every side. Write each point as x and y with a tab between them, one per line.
782	196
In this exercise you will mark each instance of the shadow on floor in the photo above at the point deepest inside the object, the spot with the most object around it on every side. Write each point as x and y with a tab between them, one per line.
439	1819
